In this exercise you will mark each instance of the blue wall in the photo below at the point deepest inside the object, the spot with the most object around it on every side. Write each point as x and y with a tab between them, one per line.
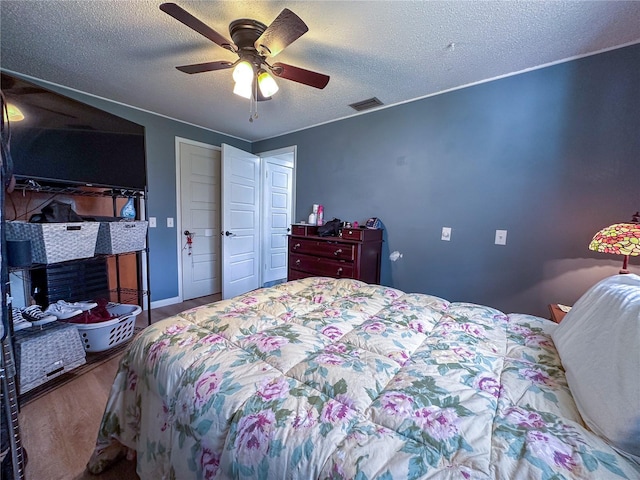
551	155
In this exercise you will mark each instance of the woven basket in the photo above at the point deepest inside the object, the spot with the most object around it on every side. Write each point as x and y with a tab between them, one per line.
56	242
121	237
46	352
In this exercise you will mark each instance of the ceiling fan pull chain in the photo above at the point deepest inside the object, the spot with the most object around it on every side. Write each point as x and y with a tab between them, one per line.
253	104
255	100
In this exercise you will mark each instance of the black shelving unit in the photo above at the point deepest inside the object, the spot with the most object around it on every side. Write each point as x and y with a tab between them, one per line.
123	295
87	274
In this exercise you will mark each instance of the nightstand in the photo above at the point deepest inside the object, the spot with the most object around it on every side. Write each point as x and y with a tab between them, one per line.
557	314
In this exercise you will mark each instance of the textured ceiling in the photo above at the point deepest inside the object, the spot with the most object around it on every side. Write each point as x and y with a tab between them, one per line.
396	51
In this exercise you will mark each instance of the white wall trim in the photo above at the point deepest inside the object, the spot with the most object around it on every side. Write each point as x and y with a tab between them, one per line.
165	302
452	89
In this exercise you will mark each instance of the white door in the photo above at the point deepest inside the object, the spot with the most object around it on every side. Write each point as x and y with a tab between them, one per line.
278	206
200	216
240	221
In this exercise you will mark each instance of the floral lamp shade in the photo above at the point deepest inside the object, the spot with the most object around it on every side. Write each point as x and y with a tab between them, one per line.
619	239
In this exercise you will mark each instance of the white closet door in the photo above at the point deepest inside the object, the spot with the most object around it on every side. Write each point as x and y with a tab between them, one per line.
278	207
240	221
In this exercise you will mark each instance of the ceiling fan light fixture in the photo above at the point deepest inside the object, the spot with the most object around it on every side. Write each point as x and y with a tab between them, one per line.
243	89
253	42
243	73
267	84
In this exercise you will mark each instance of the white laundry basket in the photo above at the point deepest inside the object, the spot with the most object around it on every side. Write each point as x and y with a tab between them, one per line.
101	336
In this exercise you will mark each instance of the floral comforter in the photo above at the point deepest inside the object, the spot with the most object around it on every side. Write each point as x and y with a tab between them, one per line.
335	379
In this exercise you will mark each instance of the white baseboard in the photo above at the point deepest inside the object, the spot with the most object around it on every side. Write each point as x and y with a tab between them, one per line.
165	302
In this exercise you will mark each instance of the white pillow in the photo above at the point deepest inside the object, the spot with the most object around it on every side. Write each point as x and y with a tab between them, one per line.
599	345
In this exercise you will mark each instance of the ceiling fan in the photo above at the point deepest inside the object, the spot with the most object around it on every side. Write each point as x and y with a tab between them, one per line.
254	43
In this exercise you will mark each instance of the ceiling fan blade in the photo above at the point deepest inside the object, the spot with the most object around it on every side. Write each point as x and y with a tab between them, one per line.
300	75
205	67
283	31
192	22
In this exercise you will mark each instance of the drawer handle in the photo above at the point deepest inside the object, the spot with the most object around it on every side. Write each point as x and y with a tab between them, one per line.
298	262
338	252
339	272
296	246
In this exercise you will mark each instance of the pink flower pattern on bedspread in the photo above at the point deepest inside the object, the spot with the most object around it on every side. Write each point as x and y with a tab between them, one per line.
336	379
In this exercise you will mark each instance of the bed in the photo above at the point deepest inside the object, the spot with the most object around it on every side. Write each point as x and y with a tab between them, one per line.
333	379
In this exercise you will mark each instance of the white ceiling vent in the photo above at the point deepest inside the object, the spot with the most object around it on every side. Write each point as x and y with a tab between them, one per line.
372	102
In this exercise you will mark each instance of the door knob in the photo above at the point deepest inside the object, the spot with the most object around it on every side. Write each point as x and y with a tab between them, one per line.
229	234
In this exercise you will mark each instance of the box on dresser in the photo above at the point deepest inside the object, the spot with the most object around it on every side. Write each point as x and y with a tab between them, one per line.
355	254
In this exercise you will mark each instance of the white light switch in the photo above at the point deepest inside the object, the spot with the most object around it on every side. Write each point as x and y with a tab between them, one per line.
501	237
446	234
152	222
208	232
169	222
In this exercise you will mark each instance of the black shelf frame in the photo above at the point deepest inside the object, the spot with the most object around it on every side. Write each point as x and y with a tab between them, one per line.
87	190
25	184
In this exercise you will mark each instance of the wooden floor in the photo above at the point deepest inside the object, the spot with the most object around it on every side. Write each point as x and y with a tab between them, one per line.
59	429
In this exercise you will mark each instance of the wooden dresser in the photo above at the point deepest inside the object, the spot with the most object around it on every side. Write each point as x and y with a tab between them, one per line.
355	254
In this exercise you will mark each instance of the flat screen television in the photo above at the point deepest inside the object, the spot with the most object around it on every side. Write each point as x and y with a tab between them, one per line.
62	140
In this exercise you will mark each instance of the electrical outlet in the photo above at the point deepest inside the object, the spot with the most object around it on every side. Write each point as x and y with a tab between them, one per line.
169	222
501	237
446	234
152	222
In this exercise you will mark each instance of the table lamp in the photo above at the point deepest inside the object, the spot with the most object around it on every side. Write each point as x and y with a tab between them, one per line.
619	239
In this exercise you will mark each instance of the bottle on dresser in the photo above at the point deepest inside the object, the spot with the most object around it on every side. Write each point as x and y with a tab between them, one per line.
313	216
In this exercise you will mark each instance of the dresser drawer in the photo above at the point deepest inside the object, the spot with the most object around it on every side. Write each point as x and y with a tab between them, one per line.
353	234
322	248
322	267
362	234
304	230
356	254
